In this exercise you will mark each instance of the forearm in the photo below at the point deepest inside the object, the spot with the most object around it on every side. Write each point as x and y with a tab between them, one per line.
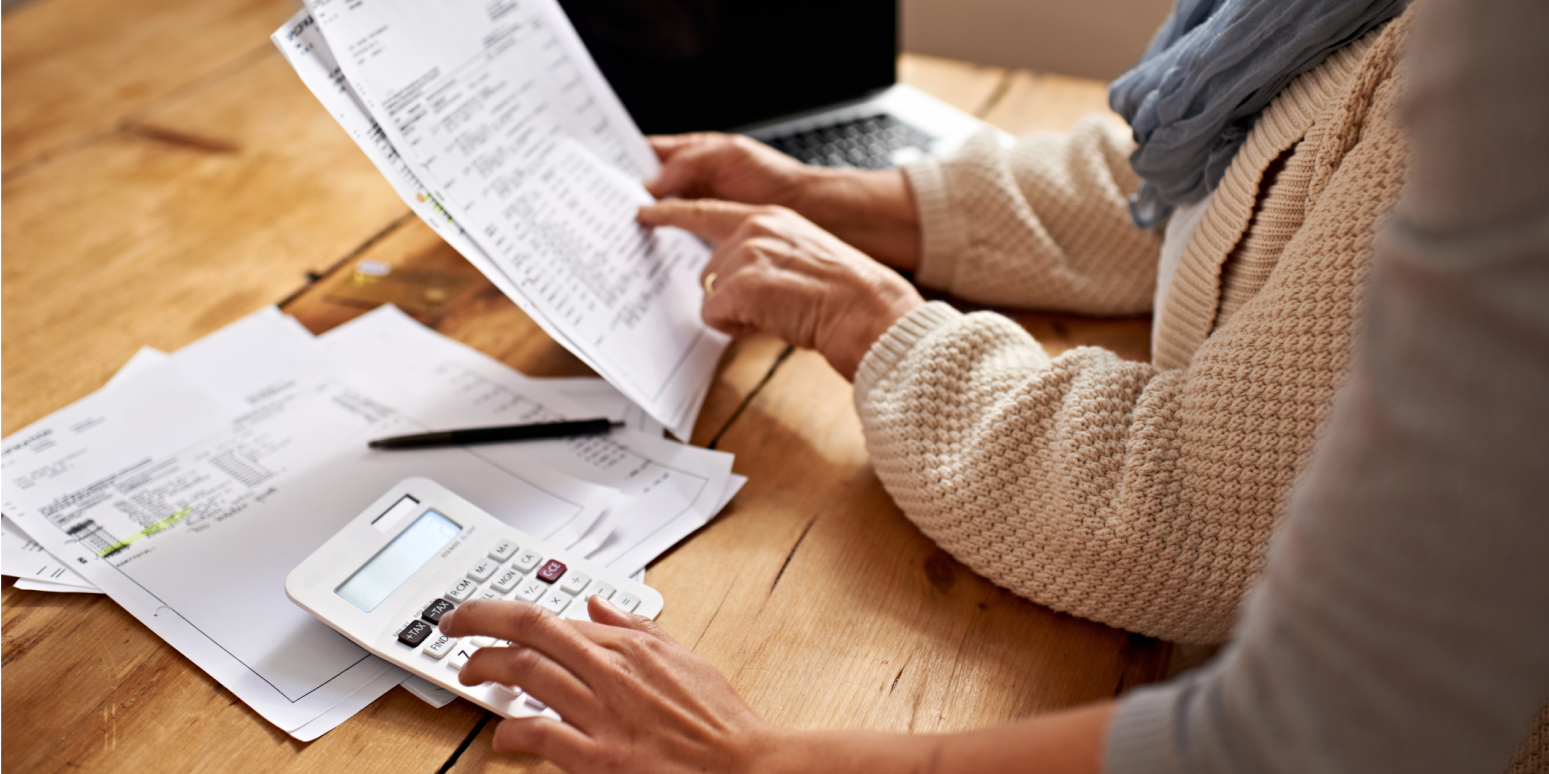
872	211
1066	742
1107	489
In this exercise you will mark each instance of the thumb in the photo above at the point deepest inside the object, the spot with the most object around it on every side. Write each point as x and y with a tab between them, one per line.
602	611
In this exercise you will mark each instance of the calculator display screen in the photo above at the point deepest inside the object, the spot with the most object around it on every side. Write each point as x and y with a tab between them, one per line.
393	565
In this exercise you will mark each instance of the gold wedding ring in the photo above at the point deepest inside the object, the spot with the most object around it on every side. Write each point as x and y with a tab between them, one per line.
709	283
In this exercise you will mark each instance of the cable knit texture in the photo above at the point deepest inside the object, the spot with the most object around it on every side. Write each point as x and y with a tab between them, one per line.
1045	224
1139	495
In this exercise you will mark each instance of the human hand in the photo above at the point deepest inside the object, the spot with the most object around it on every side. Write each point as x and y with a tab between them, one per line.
632	698
709	165
776	271
872	210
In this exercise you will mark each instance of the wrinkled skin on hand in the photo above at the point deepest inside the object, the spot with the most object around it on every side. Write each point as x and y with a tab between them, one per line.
777	272
726	166
872	210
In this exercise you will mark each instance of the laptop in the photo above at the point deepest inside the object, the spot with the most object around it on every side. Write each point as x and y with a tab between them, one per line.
816	79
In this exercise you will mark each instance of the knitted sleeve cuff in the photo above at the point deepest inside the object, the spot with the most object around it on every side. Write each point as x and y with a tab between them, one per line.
943	235
898	340
1140	737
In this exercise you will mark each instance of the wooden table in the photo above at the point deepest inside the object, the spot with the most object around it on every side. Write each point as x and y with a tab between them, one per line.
164	174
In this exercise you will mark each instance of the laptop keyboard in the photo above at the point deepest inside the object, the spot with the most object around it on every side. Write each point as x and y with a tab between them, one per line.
871	142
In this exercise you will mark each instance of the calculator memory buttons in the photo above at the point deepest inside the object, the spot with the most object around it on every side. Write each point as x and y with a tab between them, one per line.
461	590
503	550
485	568
433	611
415	633
551	571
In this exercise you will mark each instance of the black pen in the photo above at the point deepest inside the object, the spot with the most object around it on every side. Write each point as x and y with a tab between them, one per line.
532	432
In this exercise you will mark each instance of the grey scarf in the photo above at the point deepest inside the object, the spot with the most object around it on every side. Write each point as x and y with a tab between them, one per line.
1211	69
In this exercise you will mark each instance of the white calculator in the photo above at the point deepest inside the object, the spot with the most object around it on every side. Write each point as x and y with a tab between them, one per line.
386	579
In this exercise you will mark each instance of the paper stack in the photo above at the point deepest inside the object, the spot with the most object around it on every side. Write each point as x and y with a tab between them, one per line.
495	126
189	487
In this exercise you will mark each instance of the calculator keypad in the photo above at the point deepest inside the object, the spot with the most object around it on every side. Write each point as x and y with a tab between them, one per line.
461	590
440	645
551	571
551	585
433	611
526	560
601	589
481	571
531	590
574	581
415	633
506	580
503	550
555	601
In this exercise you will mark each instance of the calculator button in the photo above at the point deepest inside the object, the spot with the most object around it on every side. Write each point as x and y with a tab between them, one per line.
415	633
626	601
531	590
510	689
440	646
482	641
601	589
532	701
507	581
551	571
460	657
577	612
481	571
433	611
574	581
556	601
490	595
502	551
461	590
526	560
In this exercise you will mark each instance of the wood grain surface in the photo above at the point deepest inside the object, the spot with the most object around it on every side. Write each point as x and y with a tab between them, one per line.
165	174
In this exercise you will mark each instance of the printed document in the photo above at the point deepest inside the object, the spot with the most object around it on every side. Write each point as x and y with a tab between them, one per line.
189	490
677	488
505	125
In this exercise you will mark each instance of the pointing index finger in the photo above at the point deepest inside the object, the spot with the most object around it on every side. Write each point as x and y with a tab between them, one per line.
711	219
524	624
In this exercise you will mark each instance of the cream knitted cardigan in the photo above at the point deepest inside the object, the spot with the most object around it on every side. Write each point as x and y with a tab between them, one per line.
1139	495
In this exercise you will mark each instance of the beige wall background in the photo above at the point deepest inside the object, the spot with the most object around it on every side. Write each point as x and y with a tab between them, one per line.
1088	38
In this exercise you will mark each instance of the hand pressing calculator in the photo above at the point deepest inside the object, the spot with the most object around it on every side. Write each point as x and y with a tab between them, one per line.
386	579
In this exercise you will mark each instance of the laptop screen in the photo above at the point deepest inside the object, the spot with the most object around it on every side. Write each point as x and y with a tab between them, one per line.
687	65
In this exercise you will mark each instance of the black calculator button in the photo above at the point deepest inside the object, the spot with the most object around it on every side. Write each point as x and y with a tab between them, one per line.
415	633
435	610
